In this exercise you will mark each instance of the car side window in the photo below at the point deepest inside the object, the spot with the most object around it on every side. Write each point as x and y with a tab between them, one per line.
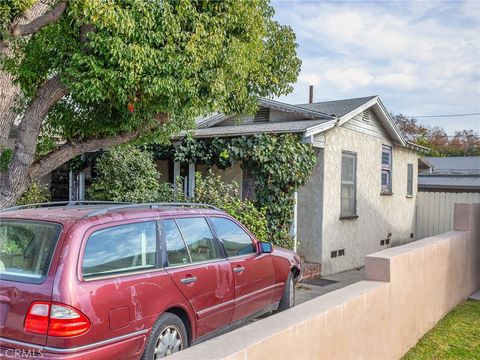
199	239
235	239
120	249
177	252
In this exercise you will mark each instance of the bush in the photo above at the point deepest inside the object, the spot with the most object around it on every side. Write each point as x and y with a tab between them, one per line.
125	173
212	190
36	193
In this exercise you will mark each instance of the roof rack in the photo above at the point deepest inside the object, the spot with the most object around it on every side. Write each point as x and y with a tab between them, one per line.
118	207
61	203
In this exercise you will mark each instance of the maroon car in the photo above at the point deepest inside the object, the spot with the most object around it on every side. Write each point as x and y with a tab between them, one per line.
129	281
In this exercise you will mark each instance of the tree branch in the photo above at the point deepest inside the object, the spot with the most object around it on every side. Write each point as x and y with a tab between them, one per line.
69	150
40	21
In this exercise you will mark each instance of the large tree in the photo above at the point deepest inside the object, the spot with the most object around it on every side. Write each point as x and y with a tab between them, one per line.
89	74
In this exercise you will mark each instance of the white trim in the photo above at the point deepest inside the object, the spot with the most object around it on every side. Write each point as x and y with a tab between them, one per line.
357	110
191	180
327	125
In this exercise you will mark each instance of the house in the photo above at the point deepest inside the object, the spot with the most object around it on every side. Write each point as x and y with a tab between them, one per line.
450	174
361	195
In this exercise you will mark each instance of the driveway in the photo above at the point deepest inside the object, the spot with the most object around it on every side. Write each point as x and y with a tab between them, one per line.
314	288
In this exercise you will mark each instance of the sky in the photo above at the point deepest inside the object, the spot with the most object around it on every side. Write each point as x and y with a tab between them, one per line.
420	57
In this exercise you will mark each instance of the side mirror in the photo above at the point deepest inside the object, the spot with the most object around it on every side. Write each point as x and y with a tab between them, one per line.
265	247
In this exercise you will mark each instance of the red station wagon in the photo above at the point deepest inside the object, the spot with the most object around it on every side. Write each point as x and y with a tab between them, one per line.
129	281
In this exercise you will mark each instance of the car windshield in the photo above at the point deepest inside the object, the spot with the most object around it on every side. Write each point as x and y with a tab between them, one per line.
26	249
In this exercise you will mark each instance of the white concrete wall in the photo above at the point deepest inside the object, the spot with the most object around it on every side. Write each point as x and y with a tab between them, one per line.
378	215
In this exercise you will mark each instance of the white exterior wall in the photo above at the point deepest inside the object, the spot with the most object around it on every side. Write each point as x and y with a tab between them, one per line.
310	214
378	215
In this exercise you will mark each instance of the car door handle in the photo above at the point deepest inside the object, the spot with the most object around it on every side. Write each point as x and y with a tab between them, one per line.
239	269
188	280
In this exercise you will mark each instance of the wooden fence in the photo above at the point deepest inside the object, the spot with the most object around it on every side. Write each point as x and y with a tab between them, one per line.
434	213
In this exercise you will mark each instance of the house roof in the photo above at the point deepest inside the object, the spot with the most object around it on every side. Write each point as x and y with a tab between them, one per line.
458	173
448	182
299	126
312	114
337	108
455	164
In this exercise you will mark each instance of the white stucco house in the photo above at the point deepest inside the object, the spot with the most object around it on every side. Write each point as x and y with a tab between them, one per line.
361	195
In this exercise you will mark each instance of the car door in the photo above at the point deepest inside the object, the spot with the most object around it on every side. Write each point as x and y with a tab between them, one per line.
197	265
253	272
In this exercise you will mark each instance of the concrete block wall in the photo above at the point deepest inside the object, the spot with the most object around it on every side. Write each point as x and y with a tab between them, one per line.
407	290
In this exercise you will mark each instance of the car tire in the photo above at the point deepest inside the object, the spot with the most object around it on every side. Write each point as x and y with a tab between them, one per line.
168	336
288	299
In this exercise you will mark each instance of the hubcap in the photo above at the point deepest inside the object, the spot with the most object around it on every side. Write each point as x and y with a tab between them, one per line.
168	342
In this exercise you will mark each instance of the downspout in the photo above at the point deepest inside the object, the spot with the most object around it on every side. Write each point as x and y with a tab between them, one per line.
293	227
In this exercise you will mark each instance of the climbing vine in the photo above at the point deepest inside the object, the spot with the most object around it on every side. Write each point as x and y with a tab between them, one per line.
280	165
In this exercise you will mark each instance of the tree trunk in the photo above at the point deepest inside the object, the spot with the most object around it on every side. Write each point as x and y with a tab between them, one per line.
17	177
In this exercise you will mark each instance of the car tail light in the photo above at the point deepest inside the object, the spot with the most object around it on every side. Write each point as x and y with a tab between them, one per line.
55	319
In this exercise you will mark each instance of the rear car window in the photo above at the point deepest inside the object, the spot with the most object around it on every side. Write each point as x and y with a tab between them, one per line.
199	239
236	241
120	249
26	249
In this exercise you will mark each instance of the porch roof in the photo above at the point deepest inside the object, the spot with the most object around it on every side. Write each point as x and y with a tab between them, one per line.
298	126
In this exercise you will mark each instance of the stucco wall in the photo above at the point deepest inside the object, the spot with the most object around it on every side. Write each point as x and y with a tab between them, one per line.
378	215
408	290
310	211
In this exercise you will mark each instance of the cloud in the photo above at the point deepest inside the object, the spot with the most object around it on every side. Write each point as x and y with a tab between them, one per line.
420	57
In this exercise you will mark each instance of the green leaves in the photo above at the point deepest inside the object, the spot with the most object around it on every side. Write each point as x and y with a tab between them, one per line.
280	164
184	58
125	173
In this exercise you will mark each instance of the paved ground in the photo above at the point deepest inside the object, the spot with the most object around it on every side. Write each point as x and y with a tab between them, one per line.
308	291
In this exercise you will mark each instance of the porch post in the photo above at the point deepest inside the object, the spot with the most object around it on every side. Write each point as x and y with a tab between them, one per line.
176	173
70	185
191	180
293	227
81	182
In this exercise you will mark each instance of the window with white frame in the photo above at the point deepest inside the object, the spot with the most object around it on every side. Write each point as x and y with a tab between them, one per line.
386	169
410	179
349	185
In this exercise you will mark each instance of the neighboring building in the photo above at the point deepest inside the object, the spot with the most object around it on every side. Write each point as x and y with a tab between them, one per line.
361	196
450	174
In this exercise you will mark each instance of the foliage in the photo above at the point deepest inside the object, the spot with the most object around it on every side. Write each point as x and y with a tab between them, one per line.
5	156
212	190
125	174
280	164
456	336
126	61
36	193
463	143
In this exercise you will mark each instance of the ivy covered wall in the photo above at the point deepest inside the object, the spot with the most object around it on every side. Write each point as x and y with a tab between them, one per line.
280	165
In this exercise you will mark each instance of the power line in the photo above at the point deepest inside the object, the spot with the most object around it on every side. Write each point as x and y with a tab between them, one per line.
446	115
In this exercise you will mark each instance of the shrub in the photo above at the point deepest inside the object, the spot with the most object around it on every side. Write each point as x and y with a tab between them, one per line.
125	173
212	190
36	193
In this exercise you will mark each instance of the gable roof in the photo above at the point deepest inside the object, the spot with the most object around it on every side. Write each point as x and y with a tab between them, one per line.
312	114
328	114
337	108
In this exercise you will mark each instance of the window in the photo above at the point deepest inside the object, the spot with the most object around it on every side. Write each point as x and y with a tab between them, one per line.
26	249
177	253
199	239
235	239
386	169
349	185
410	179
120	249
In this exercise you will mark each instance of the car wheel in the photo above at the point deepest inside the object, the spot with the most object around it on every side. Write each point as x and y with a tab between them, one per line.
168	336
288	299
